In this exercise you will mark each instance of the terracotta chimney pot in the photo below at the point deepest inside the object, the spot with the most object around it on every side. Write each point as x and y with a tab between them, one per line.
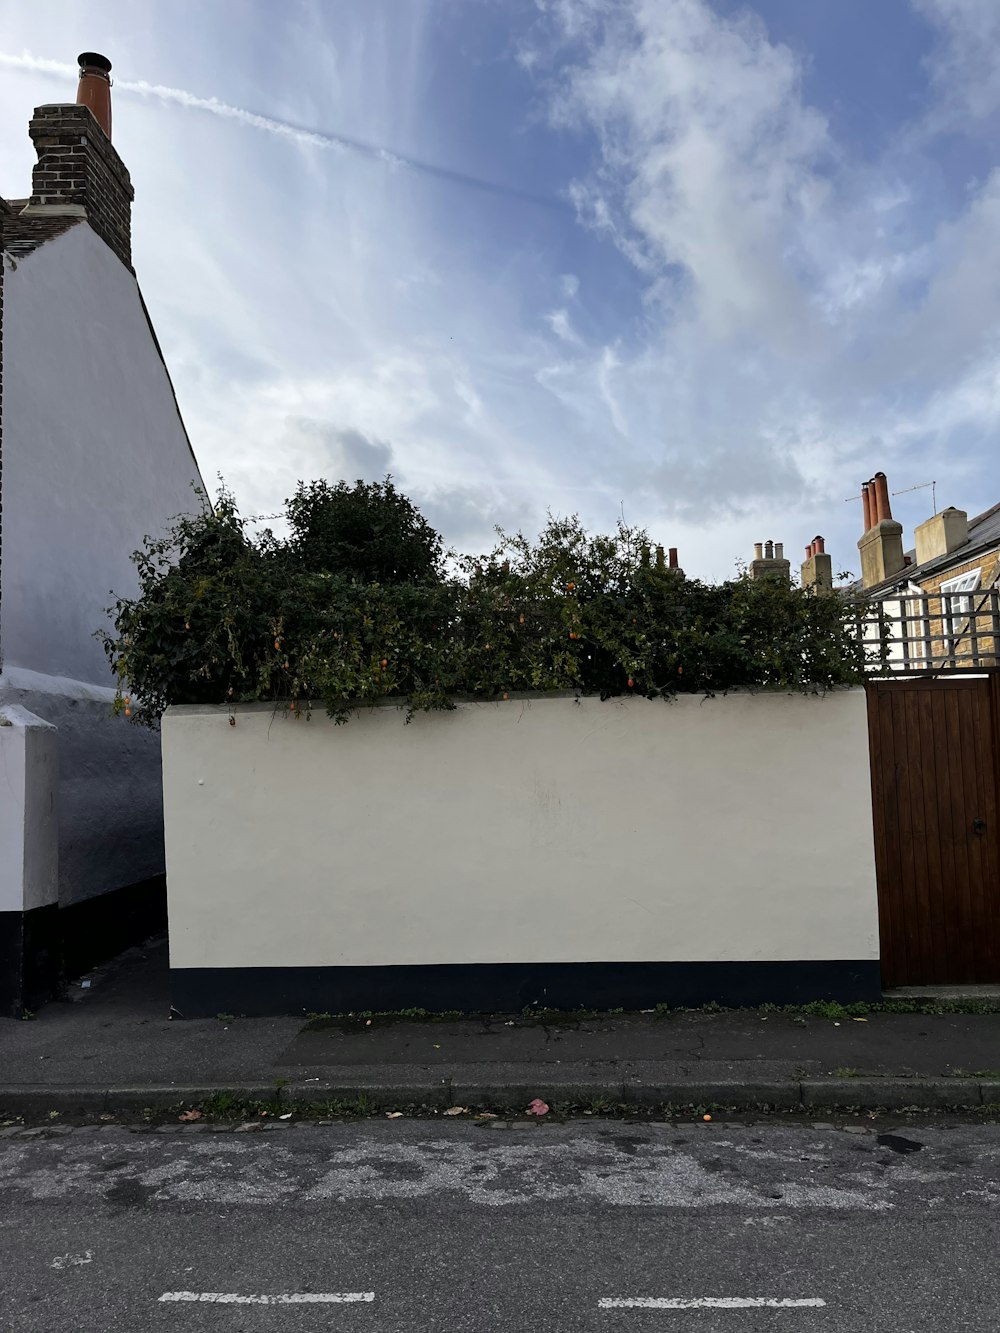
883	508
672	557
94	88
819	545
866	500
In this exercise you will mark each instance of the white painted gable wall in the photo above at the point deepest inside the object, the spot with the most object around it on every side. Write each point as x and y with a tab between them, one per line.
94	457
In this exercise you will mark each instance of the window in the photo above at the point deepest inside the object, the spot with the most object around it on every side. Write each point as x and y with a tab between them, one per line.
959	606
956	603
915	625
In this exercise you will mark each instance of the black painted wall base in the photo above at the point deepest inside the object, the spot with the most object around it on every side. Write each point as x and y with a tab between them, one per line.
29	959
202	992
43	948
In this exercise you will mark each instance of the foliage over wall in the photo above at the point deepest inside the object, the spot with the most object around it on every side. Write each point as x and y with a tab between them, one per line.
358	604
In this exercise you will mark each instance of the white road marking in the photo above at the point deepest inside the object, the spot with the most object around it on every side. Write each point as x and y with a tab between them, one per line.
288	1298
706	1303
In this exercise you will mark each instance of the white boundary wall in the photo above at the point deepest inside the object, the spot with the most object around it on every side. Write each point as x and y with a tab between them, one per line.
537	830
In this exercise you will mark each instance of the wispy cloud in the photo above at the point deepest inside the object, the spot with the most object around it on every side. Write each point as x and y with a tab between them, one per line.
296	134
726	314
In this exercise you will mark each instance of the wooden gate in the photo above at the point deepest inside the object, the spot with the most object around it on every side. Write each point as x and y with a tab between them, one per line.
935	781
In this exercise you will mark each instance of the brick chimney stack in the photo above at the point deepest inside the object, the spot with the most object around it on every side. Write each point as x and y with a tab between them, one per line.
881	544
817	568
78	172
772	564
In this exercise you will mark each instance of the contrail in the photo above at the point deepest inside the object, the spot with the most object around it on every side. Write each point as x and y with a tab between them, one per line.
283	129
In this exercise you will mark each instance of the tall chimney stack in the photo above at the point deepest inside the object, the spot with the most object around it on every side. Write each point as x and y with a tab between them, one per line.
78	173
881	544
94	88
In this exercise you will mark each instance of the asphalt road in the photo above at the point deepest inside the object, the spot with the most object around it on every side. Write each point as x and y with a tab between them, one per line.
431	1226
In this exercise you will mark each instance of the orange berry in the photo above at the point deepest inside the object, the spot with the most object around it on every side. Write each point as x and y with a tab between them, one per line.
573	634
706	1117
506	696
128	712
385	662
571	586
277	643
631	682
680	671
522	617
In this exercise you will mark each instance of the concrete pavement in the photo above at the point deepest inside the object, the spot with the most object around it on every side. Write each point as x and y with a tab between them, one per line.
576	1227
116	1047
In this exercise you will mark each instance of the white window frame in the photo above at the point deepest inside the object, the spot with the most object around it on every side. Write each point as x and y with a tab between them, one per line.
916	631
955	610
962	607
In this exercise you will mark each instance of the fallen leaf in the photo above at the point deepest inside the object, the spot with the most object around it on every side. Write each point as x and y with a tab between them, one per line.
538	1107
393	1115
861	1020
286	1116
436	1046
190	1115
456	1110
486	1115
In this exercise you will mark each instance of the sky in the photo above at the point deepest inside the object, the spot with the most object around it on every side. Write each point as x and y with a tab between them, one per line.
702	264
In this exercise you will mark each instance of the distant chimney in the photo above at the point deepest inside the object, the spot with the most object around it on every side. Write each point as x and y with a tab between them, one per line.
881	544
817	568
942	534
672	557
78	172
772	564
94	88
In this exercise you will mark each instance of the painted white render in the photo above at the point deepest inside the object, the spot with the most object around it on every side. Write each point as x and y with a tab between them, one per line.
736	828
29	865
94	451
94	457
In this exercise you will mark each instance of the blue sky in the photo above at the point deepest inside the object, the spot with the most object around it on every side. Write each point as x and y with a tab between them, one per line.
705	263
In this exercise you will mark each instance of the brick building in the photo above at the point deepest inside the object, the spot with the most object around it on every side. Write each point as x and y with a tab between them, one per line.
938	601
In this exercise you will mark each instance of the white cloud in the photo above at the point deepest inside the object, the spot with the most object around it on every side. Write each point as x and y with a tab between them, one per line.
561	325
964	65
798	336
806	319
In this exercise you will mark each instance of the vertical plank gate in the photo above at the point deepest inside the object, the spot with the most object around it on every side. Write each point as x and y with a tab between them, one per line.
935	762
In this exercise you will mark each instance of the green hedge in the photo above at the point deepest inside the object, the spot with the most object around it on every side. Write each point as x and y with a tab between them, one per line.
228	615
